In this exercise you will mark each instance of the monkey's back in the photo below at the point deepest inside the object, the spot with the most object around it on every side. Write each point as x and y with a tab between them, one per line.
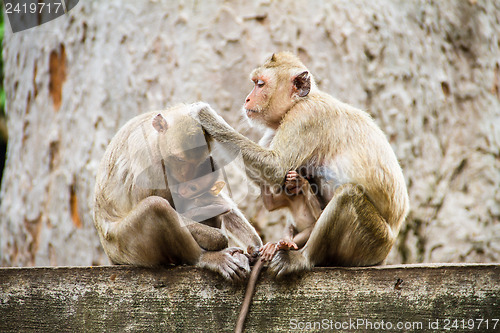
348	147
131	169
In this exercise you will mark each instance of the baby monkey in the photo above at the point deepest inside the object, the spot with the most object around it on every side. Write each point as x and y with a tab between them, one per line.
298	195
302	201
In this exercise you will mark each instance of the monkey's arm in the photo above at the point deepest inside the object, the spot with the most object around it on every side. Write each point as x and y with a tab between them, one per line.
240	230
262	163
272	201
208	238
301	238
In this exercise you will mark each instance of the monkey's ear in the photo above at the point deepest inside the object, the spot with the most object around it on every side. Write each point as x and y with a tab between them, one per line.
302	84
159	123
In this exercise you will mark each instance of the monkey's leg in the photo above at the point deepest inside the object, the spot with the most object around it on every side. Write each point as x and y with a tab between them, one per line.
153	234
349	232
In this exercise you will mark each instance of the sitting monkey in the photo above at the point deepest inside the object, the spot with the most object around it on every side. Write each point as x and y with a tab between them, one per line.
344	152
151	158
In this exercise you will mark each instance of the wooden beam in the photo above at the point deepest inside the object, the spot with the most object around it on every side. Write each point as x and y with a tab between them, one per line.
124	298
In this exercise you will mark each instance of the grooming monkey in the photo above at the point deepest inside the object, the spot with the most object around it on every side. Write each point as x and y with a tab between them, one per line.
150	160
338	147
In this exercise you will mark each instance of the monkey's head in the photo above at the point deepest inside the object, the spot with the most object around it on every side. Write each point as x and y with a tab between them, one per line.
279	84
182	144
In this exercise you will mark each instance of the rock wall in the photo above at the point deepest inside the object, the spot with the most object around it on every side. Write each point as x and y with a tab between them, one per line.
428	72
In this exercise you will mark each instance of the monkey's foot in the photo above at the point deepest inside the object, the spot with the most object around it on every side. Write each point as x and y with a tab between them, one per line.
252	254
268	251
231	263
287	262
286	245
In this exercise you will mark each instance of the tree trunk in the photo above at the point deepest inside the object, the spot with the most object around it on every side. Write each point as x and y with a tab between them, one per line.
428	72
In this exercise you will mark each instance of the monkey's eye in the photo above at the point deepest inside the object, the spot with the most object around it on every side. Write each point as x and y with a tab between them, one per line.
260	83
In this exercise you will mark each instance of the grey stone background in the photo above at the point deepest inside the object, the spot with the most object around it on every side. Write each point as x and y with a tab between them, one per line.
428	72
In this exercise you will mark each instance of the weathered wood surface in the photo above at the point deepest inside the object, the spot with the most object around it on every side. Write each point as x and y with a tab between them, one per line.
123	298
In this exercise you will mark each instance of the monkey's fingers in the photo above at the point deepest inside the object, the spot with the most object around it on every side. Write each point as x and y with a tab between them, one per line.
293	185
252	251
286	245
292	189
238	266
243	265
292	175
267	251
252	254
233	250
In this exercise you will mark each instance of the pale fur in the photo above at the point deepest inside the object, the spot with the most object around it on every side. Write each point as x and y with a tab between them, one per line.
133	204
353	162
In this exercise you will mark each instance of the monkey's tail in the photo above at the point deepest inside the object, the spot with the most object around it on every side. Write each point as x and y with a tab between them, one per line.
252	281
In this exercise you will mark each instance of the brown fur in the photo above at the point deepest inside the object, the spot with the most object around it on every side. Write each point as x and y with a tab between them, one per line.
133	210
340	147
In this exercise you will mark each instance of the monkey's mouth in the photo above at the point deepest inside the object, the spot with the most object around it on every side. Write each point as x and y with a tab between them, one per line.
251	113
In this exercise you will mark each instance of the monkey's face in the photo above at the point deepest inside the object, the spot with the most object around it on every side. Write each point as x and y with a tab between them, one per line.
185	150
183	166
258	100
264	104
278	85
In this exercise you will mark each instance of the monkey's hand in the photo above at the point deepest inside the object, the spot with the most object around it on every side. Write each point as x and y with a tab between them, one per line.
252	254
267	251
287	262
231	263
204	114
294	183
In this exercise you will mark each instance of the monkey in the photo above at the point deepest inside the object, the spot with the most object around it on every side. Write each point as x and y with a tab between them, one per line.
304	206
303	202
146	163
336	145
199	201
298	195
